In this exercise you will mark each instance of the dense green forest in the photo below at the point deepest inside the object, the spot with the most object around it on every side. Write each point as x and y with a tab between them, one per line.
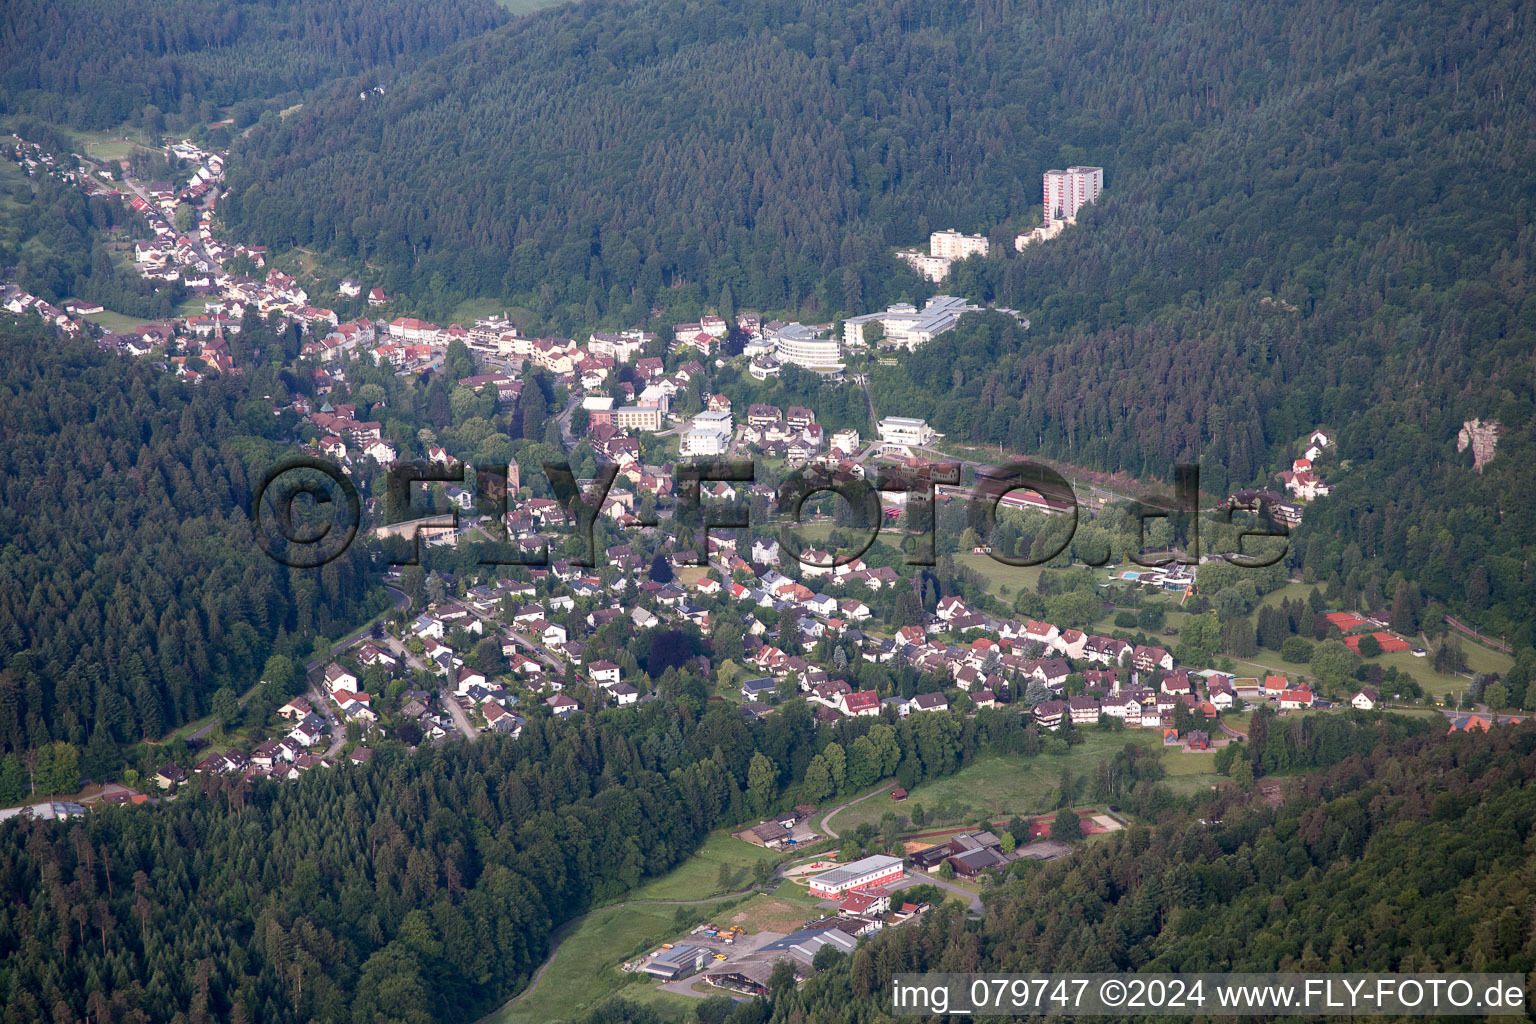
94	65
424	886
131	587
1412	857
605	152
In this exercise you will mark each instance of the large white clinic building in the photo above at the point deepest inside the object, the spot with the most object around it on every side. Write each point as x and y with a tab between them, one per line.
906	325
805	346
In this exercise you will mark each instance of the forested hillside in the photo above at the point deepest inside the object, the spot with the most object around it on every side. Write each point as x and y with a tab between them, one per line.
95	65
781	149
131	587
424	886
1414	857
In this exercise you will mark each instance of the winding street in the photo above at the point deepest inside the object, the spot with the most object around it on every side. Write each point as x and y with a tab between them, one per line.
317	699
826	819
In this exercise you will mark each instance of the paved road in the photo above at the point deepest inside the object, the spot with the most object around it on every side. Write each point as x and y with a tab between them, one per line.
1231	731
972	900
401	600
827	830
445	694
538	649
567	439
456	712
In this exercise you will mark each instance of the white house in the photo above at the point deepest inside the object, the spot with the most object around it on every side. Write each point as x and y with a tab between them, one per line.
338	678
905	431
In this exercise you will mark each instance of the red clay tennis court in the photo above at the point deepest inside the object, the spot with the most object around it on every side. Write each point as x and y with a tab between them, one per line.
1389	643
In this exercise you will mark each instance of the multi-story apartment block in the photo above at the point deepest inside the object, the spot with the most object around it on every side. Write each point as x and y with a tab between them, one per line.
952	245
1066	191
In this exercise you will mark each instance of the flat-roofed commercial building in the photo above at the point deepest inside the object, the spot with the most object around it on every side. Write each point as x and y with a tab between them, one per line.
637	417
906	431
878	870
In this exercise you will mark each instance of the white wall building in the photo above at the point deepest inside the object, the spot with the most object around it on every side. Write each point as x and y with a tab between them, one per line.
906	325
1066	191
637	417
906	431
804	346
932	268
708	434
622	347
952	245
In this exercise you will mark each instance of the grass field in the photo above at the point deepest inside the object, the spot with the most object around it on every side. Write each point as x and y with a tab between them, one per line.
998	575
688	575
1237	720
699	875
470	310
585	967
1434	683
193	305
1289	592
1190	772
15	196
999	786
116	321
783	911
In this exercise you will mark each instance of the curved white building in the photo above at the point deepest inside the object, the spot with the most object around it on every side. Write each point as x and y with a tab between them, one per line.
804	346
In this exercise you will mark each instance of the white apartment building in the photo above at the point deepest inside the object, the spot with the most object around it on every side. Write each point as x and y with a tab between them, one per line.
708	434
1066	191
932	268
1043	233
952	245
488	330
804	346
621	347
906	431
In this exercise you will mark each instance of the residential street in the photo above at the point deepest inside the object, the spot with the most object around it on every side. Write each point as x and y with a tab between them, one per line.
402	600
445	693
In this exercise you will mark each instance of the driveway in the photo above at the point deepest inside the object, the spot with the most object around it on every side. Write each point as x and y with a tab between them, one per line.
456	712
827	829
444	694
